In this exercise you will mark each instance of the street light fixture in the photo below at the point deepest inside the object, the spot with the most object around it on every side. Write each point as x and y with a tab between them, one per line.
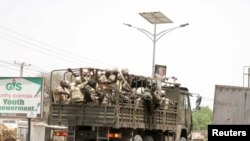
155	18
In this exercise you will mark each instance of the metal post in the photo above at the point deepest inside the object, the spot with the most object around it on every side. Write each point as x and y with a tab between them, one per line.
248	75
22	65
21	70
29	127
155	18
154	43
21	75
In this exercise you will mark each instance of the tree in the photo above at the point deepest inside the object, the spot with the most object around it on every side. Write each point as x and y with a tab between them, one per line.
202	118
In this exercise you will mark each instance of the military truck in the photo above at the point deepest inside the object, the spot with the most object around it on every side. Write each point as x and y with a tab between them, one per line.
231	105
124	120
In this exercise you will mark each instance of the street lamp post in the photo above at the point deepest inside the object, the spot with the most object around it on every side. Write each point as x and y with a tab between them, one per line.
155	18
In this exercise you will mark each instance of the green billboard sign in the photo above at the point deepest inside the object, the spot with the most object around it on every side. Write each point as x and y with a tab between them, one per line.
21	95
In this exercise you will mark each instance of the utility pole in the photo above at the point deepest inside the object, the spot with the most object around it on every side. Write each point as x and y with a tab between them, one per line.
22	65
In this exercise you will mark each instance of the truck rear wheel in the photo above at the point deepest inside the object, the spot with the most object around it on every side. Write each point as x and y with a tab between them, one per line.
183	139
148	138
136	138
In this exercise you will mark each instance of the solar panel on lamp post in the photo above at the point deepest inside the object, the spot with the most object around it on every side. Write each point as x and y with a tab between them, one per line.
155	18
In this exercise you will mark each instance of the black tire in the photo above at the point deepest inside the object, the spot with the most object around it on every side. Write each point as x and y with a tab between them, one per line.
148	138
183	139
136	138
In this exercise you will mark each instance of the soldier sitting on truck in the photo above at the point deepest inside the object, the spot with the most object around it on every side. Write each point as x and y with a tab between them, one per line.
90	93
84	74
113	77
142	91
125	88
105	89
159	96
75	90
156	95
114	83
148	99
62	93
149	94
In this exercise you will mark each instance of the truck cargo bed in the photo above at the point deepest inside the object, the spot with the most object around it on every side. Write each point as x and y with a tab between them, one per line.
115	116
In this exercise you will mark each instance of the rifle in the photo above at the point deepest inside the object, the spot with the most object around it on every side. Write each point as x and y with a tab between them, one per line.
126	85
73	73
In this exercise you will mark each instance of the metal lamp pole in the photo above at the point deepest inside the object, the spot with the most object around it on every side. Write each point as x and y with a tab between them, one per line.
155	18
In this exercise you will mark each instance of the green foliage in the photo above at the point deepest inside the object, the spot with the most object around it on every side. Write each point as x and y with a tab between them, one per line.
202	118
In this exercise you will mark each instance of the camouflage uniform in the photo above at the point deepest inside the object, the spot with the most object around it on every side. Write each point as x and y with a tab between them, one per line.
124	77
148	100
156	93
105	90
64	92
93	94
113	78
148	96
90	92
125	88
84	73
76	93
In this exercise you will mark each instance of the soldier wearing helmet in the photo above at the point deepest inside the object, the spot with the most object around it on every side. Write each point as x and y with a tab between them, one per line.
106	90
75	90
62	92
114	75
149	94
125	80
84	74
90	93
125	87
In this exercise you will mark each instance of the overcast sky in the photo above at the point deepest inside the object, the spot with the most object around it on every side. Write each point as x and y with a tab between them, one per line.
60	34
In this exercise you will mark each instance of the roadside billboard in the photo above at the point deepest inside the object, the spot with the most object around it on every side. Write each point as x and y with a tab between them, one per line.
21	96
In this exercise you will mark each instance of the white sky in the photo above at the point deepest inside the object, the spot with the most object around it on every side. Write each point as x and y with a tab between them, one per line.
60	34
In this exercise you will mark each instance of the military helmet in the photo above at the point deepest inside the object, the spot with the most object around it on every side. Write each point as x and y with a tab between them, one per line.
64	83
124	71
85	71
108	69
92	82
114	70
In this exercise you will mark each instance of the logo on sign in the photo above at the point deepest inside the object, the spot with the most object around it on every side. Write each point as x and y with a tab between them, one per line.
14	86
